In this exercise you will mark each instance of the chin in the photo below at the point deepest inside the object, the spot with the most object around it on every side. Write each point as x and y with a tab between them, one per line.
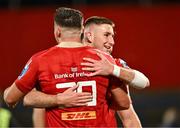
109	52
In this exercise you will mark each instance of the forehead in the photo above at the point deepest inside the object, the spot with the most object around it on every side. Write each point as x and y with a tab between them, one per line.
104	28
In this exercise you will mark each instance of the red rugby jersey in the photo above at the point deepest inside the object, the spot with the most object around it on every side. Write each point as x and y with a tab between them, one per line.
57	69
117	83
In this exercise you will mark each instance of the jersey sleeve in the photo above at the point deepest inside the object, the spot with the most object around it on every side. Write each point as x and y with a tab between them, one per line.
115	83
27	80
121	63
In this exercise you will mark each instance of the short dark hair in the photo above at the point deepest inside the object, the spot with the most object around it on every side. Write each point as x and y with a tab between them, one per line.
98	20
68	17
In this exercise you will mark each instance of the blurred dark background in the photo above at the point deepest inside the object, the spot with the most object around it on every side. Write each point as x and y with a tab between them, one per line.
147	38
30	3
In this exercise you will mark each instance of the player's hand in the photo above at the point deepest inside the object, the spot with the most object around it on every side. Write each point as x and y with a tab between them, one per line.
98	67
70	98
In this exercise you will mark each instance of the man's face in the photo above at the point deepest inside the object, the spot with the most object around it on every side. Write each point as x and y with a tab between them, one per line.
103	37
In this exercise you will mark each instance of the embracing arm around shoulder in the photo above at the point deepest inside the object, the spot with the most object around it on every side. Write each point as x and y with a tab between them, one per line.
39	99
12	95
132	77
69	98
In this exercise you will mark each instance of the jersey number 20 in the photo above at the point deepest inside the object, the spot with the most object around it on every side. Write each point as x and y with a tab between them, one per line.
82	84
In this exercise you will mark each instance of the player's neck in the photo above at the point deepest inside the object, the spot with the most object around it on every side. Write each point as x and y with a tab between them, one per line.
70	44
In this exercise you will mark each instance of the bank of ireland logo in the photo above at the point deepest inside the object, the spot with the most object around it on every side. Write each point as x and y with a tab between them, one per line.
25	69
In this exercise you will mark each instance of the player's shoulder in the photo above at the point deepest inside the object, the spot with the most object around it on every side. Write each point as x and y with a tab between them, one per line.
107	55
91	50
121	62
104	53
43	52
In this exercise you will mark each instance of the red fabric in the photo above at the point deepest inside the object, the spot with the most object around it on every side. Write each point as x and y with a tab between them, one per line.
117	83
54	68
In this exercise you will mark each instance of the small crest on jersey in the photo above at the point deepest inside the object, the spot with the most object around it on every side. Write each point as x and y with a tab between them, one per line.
124	64
74	69
25	69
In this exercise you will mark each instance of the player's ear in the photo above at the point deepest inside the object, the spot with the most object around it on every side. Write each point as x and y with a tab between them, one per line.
89	36
57	33
57	30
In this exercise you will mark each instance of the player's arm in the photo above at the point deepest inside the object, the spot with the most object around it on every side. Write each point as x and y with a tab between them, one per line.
38	117
23	84
120	98
68	98
12	95
129	117
104	67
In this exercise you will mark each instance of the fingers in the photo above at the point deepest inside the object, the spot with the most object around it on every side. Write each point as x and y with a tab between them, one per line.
72	89
73	105
83	101
93	60
85	98
88	69
84	94
90	66
100	55
90	60
87	64
93	74
79	104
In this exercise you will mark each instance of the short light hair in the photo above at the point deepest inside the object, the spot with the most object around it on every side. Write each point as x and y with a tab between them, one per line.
98	21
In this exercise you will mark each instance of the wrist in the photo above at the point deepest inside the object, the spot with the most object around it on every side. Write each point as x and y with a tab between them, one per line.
59	100
116	71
